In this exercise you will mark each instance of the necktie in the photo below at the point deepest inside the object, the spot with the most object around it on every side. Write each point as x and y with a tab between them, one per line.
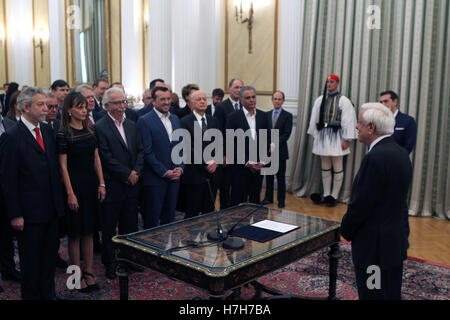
236	106
275	119
203	125
39	138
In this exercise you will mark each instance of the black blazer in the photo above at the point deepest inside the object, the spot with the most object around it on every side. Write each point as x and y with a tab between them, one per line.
31	178
284	125
8	123
224	109
55	125
237	120
118	158
97	107
374	218
146	109
196	173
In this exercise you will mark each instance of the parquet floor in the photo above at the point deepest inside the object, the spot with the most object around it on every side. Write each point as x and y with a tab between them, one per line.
429	238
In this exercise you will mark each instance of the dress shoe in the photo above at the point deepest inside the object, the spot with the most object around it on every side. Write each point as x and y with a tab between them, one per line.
266	201
330	201
12	275
281	205
61	264
92	287
317	198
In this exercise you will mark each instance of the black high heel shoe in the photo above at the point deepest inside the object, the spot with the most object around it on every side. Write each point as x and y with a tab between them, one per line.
92	287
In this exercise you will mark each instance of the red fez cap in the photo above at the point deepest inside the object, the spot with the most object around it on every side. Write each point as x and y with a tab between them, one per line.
333	77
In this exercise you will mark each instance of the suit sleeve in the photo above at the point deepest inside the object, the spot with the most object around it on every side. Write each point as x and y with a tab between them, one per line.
364	197
149	154
9	166
139	153
410	135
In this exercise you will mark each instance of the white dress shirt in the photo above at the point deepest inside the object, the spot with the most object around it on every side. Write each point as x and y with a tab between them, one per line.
31	126
199	118
251	119
166	122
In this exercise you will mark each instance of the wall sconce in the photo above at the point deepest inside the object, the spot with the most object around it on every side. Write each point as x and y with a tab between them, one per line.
249	20
40	35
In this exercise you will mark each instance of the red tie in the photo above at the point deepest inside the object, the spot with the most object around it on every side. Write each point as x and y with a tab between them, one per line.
39	138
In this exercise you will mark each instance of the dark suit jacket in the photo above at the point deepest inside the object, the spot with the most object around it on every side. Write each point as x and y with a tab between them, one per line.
157	148
118	158
237	120
145	110
97	108
31	177
8	123
405	133
374	218
196	173
224	109
55	125
284	125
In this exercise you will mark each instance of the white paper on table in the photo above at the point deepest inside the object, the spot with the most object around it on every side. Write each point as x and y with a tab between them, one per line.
275	226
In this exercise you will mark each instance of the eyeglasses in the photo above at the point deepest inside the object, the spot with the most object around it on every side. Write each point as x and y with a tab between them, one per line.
116	103
52	106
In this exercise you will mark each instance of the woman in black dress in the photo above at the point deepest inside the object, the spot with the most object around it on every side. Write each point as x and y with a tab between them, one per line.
83	180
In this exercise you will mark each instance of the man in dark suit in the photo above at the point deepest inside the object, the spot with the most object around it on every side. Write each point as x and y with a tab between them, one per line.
51	118
161	176
224	109
217	97
7	264
374	221
122	155
99	86
405	134
199	178
60	89
32	186
281	120
246	178
3	96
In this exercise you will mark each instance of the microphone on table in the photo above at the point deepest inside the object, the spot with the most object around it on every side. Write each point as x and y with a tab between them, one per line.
219	234
236	243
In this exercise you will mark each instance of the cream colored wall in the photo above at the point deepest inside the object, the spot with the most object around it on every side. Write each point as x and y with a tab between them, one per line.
41	58
3	45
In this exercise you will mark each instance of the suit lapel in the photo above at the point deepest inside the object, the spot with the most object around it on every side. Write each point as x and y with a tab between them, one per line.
29	137
115	131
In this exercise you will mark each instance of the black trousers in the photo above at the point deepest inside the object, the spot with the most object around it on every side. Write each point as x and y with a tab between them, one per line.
391	285
246	186
37	246
199	199
122	215
7	264
281	180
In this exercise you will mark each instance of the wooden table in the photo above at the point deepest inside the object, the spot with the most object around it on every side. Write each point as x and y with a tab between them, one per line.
209	267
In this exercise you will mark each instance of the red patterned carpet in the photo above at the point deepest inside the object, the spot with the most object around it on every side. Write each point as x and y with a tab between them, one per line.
307	277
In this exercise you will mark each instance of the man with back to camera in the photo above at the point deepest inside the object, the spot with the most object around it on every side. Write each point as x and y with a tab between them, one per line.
332	126
405	134
374	218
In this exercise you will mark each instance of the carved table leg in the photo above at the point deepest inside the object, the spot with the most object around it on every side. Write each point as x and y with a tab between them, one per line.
333	255
122	273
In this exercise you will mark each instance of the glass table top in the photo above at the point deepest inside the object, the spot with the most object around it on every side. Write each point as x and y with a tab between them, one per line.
174	241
